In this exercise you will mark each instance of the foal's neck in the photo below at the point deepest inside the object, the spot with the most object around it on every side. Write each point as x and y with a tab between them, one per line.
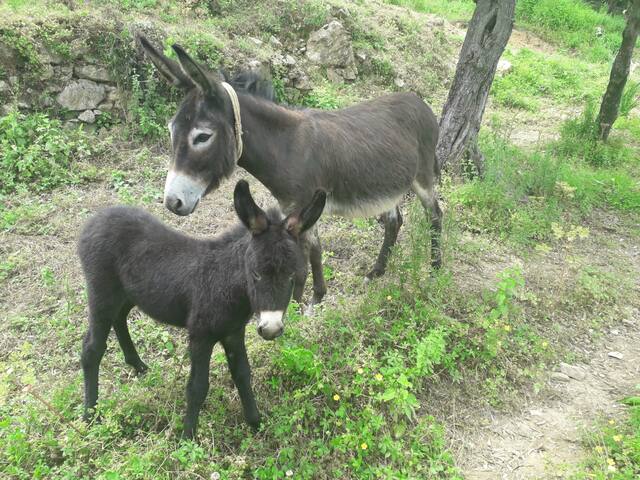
268	129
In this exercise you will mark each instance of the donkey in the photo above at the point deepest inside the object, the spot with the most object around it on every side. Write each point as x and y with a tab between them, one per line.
366	157
210	287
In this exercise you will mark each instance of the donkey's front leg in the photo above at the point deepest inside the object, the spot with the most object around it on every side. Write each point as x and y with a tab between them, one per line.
200	348
238	362
317	271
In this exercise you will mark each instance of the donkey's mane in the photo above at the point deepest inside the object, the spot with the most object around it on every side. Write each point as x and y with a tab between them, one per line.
254	83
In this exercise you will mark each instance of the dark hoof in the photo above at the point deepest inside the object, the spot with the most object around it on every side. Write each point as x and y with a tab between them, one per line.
90	416
254	422
141	369
188	434
375	273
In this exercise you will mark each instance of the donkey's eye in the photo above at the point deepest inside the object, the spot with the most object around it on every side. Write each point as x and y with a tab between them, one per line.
256	276
201	138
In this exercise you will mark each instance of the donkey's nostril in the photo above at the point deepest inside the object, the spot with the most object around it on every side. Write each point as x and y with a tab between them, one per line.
260	329
173	203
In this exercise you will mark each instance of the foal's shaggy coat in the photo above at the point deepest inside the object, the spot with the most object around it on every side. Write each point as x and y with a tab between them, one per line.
210	287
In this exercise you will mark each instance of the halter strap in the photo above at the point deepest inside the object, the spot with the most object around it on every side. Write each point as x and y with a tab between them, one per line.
236	114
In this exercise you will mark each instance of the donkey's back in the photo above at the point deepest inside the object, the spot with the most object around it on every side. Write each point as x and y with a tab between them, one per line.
139	261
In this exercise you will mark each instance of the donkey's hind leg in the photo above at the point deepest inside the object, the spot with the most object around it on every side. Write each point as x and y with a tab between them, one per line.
392	222
128	348
429	200
101	317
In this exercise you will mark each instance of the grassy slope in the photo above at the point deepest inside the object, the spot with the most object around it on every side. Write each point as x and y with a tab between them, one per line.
415	343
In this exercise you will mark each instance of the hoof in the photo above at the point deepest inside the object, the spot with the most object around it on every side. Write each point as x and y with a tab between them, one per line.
375	273
91	416
309	310
254	422
141	369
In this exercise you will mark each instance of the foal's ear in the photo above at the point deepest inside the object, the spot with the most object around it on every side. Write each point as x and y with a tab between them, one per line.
169	69
251	214
298	222
197	74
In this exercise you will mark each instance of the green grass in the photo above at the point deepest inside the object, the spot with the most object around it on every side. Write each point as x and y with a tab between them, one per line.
536	78
568	23
453	9
573	24
525	193
614	449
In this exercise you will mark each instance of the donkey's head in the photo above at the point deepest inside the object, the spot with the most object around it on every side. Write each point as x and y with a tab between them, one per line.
203	136
274	255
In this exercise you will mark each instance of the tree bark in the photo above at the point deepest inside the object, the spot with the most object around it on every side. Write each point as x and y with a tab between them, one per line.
619	73
487	36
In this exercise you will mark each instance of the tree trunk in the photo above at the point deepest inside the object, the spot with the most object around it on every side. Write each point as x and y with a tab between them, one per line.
619	72
616	6
487	36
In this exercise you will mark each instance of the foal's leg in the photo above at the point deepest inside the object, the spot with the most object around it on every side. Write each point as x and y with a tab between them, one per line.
238	362
429	200
392	223
122	332
200	348
93	347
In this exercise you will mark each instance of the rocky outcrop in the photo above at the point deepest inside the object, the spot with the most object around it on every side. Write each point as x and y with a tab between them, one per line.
331	47
81	95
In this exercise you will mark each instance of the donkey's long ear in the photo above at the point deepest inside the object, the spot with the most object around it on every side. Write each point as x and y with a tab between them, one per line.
251	214
169	69
195	72
298	222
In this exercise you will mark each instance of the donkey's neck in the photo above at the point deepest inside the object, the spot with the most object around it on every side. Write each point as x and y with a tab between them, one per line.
268	129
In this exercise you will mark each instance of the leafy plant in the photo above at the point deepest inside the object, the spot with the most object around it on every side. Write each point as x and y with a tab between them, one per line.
37	153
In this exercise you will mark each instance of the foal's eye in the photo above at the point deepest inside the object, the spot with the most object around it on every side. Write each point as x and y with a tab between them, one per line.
256	276
201	138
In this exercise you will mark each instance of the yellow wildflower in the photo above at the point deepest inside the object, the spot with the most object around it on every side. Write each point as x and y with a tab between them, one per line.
611	461
599	449
507	328
360	371
378	376
617	438
336	397
389	298
364	446
545	344
612	422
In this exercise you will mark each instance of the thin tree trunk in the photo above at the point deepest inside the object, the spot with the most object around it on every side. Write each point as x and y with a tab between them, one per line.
487	36
619	73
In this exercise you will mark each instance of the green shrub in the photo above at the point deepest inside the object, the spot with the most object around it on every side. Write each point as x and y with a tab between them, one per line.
37	153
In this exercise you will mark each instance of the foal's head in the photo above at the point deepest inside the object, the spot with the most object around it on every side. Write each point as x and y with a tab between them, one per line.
203	135
274	255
